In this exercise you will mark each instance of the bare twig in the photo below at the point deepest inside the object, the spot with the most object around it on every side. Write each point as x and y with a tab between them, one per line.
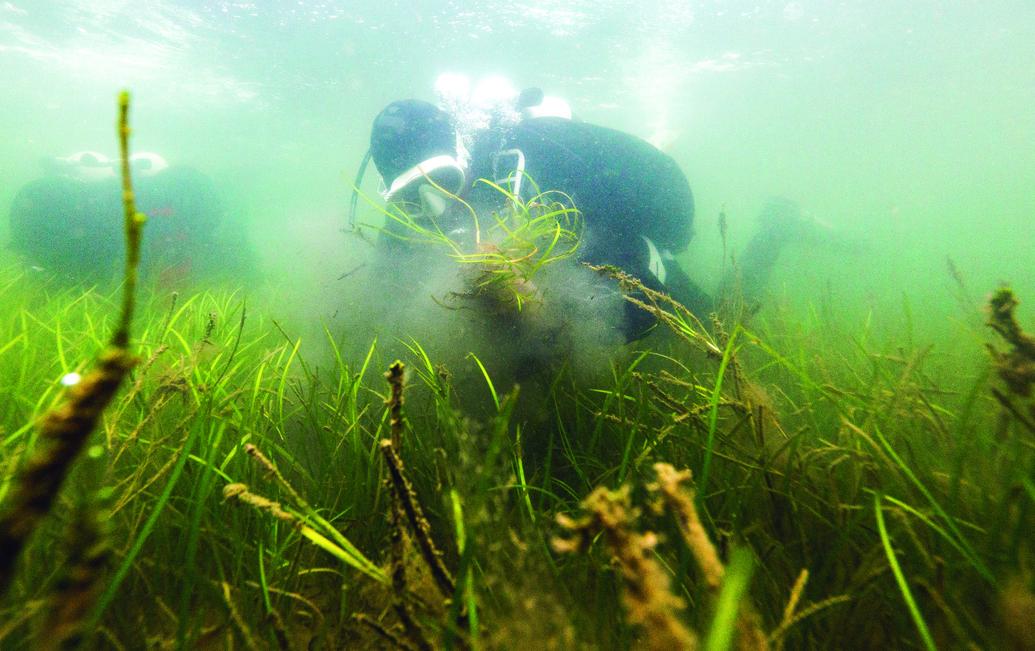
415	518
65	430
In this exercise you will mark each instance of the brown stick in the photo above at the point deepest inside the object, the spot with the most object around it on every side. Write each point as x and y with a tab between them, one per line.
65	430
395	402
418	523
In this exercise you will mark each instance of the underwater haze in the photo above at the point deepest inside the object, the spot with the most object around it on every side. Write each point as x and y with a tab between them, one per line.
907	127
845	460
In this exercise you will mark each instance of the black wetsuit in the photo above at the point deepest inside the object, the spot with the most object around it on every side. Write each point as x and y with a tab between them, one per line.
625	188
74	228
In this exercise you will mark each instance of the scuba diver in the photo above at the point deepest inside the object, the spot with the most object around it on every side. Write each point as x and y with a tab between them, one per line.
69	221
636	204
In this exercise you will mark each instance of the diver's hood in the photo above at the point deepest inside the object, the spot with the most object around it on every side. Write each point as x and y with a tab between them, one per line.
82	165
95	166
147	163
406	134
548	107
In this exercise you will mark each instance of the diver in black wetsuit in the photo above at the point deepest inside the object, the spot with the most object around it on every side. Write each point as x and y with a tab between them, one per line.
636	204
69	221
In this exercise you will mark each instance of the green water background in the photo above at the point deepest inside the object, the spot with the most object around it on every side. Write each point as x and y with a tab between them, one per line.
908	127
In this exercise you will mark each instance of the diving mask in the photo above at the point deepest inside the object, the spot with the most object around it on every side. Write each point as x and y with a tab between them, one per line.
425	189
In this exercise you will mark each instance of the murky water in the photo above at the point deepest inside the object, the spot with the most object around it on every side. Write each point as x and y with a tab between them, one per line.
908	128
861	391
